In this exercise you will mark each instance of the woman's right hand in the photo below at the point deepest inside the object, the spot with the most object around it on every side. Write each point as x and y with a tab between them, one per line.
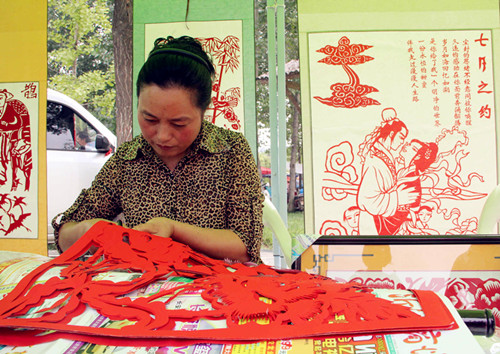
71	231
159	226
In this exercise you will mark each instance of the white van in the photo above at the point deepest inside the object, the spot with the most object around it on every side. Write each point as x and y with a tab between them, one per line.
78	145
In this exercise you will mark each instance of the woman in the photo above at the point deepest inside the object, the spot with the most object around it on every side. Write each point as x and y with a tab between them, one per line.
183	177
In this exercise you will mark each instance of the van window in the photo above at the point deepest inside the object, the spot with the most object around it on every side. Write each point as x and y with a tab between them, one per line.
66	130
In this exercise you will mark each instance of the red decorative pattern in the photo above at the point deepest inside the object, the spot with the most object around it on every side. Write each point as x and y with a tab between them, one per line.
256	302
225	53
351	94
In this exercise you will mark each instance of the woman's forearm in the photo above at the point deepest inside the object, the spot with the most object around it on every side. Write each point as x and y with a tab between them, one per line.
214	243
69	233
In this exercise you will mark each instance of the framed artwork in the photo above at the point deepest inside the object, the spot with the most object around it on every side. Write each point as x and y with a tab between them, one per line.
19	102
23	85
400	122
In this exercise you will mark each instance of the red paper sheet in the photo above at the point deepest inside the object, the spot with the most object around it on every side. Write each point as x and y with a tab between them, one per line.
256	302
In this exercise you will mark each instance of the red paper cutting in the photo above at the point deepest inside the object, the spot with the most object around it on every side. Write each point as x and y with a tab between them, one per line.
350	94
254	302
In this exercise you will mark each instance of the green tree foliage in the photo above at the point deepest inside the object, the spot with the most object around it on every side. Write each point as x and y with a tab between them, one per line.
261	59
80	54
293	112
262	89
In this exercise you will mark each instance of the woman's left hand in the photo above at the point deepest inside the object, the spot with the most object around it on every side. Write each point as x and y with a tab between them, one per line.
215	243
163	227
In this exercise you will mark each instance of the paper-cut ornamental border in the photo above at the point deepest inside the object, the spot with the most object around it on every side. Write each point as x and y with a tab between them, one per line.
256	302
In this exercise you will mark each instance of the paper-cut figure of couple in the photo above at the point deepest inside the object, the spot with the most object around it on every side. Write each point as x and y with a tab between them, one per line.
390	198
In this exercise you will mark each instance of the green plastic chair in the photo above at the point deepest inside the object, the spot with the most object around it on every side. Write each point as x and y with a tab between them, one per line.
273	220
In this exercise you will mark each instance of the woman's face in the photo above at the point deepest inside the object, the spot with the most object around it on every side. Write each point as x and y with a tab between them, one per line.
409	151
169	121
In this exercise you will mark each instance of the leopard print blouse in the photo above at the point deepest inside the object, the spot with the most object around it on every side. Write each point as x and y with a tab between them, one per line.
215	185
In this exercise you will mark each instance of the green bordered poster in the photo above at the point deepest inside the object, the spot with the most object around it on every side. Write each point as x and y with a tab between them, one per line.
226	32
399	115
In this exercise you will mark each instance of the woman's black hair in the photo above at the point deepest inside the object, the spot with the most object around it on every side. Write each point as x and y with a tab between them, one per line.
179	62
425	156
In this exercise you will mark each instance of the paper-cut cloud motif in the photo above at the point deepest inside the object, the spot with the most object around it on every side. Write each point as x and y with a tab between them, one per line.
351	94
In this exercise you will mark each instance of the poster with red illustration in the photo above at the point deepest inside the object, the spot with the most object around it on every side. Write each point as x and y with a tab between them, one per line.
18	177
403	131
223	41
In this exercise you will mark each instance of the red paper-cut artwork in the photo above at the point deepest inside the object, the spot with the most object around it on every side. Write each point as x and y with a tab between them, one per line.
434	174
435	89
226	58
352	94
16	160
254	302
